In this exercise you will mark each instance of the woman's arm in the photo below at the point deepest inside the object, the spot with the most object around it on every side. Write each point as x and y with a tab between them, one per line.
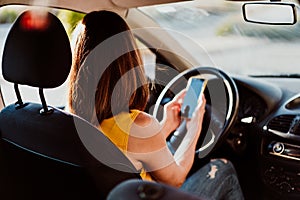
153	152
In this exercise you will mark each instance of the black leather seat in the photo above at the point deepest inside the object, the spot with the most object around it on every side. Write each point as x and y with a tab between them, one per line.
46	153
138	189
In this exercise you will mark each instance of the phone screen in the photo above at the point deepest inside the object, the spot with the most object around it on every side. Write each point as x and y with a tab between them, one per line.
195	87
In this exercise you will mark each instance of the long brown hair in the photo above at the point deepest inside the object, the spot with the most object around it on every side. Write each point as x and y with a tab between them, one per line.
98	27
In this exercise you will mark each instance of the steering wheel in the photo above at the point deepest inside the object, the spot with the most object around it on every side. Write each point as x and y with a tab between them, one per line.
222	101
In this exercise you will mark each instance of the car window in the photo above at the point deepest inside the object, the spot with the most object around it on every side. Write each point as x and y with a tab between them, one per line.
56	96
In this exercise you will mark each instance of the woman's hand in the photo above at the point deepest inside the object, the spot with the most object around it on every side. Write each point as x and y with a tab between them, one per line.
172	117
195	123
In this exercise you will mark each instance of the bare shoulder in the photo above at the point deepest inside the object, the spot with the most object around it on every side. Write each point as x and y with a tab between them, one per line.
144	119
145	134
145	126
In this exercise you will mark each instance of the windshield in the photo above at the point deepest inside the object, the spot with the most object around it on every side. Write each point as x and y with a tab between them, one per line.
231	43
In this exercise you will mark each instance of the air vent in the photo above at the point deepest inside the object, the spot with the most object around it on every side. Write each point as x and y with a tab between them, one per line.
281	123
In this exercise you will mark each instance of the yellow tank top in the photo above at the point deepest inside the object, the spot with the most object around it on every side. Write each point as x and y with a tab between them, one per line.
117	130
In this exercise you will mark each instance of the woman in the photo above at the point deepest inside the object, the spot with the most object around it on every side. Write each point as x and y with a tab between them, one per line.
108	88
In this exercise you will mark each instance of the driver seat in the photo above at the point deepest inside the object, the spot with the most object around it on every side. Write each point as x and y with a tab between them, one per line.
46	153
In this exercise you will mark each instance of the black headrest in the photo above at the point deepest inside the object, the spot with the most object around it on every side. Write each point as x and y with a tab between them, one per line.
37	51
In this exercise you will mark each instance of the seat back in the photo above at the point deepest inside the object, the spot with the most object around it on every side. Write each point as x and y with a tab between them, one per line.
45	152
137	190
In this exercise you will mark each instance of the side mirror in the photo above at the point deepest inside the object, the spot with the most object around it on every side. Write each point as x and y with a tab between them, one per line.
270	13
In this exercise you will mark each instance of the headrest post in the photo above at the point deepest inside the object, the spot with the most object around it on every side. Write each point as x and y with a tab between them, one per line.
45	110
19	103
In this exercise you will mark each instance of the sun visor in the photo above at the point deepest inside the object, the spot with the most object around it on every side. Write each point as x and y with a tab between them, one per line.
139	3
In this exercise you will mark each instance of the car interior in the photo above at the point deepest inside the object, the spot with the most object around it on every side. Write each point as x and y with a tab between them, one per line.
57	166
252	119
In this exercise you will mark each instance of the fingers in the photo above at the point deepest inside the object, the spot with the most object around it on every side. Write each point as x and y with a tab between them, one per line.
177	100
201	104
180	95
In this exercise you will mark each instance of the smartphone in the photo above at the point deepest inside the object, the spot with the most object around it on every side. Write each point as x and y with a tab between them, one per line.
195	87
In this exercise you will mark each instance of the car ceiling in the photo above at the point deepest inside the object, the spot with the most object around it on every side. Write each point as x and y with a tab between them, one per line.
89	5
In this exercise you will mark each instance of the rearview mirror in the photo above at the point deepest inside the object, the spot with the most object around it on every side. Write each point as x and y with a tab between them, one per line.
270	13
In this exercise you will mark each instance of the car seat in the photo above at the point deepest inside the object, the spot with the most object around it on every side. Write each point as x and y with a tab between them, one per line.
42	155
148	190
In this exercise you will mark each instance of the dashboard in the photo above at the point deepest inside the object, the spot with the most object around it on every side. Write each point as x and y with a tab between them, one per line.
264	141
269	110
